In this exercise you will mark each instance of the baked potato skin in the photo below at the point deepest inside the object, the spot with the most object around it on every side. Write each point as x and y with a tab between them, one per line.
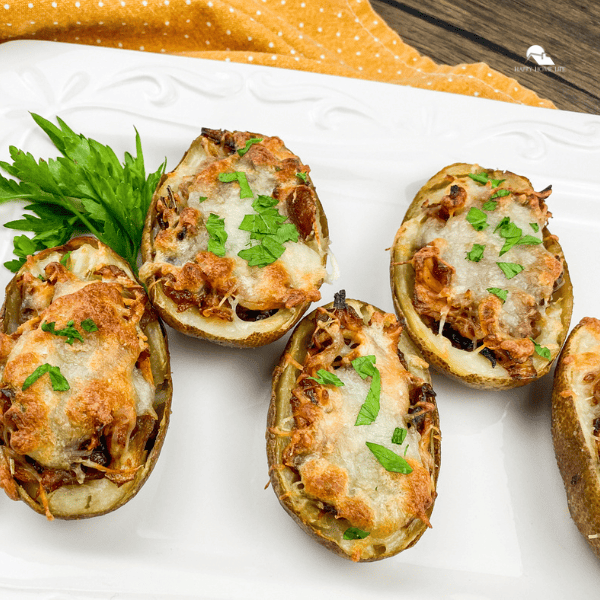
284	377
285	320
579	468
161	371
402	285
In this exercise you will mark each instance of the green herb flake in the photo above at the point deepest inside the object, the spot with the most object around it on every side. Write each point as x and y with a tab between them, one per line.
64	261
41	277
399	435
541	350
365	367
89	325
249	143
535	227
202	198
85	189
57	379
215	227
503	223
389	460
354	533
511	233
324	377
479	177
240	177
502	294
302	175
490	205
476	253
510	269
529	240
500	194
70	332
477	218
497	182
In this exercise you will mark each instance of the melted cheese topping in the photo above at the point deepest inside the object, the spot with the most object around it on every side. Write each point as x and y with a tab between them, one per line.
269	168
583	366
330	453
110	383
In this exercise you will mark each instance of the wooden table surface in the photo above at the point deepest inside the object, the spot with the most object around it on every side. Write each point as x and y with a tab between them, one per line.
500	33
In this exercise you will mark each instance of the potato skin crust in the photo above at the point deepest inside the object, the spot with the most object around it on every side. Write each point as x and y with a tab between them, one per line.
279	324
164	390
580	470
402	280
283	377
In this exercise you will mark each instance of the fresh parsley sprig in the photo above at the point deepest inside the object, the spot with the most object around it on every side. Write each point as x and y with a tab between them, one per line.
365	367
87	189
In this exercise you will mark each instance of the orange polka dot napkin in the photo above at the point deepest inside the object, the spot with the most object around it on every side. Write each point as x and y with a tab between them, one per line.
338	37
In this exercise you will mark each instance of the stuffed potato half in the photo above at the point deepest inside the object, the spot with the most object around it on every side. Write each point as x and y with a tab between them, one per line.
353	438
576	426
236	240
482	283
85	385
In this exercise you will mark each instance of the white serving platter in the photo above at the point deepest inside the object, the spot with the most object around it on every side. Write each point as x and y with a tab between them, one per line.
204	526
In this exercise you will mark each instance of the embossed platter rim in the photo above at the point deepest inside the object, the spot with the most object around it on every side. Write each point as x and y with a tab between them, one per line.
203	526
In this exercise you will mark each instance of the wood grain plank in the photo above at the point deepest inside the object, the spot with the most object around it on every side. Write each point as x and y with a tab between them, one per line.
455	31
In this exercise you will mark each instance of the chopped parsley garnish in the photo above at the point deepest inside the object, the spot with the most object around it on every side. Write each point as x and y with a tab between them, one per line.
85	189
510	269
483	179
240	177
399	435
541	350
354	533
69	331
215	227
502	294
269	227
249	143
202	198
301	175
500	194
365	367
511	233
477	218
534	226
89	325
529	239
64	261
490	205
476	253
389	460
57	379
326	378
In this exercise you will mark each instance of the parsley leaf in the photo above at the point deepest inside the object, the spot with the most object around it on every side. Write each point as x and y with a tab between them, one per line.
326	378
85	189
354	533
399	435
57	379
70	332
500	194
476	253
389	460
490	205
301	175
529	239
511	233
534	226
240	177
502	294
89	325
477	218
64	261
217	234
479	177
541	350
510	269
365	367
249	143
